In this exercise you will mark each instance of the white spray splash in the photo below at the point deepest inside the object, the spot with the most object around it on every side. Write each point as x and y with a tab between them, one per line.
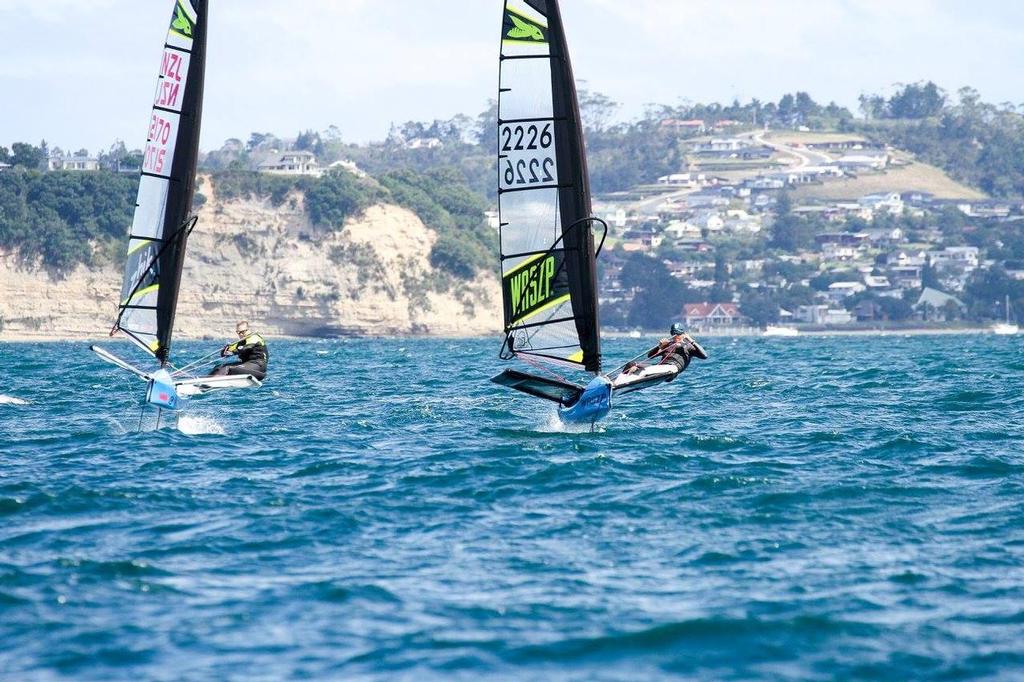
552	424
199	425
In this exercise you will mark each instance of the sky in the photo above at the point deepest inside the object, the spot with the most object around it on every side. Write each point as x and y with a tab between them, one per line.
81	74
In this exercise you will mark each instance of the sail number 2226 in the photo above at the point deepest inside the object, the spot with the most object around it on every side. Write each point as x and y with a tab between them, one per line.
527	155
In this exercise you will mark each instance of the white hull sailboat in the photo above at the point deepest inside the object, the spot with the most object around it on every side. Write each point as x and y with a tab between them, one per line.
1005	328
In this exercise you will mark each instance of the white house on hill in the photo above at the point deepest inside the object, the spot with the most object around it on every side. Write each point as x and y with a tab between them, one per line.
72	163
292	163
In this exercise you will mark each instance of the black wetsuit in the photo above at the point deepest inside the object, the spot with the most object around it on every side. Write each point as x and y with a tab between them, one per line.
253	357
678	352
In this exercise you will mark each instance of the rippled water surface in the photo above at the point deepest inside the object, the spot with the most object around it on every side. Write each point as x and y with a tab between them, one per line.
810	508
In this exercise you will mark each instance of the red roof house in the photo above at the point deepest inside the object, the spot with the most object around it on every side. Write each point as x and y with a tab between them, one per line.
705	315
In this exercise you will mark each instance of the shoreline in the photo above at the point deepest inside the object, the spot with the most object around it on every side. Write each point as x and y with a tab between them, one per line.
716	333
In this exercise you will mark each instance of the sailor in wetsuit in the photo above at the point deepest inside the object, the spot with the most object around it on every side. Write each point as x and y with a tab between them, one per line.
676	350
252	353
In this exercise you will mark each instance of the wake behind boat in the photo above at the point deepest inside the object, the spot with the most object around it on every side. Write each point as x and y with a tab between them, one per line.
163	218
547	228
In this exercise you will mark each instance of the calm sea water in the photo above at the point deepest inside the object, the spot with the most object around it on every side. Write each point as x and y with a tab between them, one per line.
807	509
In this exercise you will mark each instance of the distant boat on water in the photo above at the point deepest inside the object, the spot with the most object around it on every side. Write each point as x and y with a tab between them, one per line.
779	330
1005	328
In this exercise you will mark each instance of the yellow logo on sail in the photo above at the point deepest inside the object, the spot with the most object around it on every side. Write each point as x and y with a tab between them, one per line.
522	29
532	288
181	23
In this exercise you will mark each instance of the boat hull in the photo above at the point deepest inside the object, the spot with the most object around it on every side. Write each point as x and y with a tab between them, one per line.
594	404
161	392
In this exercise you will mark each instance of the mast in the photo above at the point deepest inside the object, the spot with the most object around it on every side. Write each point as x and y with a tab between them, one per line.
162	222
549	281
575	197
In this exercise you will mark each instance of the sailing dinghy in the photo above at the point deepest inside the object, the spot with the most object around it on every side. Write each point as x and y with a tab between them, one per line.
163	217
548	244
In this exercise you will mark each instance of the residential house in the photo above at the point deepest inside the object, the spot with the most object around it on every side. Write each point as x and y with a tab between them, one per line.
985	209
876	282
908	259
738	220
694	124
963	256
685	270
424	143
765	182
841	246
683	229
837	291
822	314
694	245
837	253
890	202
706	199
906	276
727	144
4	166
864	160
709	220
934	305
684	180
78	162
705	316
917	198
843	145
291	163
855	210
884	237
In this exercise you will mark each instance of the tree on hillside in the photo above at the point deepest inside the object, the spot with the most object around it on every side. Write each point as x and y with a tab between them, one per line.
930	278
27	156
309	141
872	106
659	296
917	100
762	308
805	106
787	107
596	110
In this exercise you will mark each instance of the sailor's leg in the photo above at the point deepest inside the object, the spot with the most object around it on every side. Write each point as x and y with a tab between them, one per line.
251	368
223	370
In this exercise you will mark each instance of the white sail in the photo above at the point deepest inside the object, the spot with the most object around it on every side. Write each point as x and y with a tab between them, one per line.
155	229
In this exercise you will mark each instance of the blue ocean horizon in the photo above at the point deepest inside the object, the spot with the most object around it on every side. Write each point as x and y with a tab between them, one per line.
805	509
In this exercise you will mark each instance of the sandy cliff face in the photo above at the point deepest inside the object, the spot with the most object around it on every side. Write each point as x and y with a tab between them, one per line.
248	259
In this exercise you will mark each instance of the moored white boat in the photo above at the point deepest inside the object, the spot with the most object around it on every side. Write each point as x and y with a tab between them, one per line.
1005	328
778	330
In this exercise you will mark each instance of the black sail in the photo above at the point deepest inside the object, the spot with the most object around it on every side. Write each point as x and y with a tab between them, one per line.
160	228
549	278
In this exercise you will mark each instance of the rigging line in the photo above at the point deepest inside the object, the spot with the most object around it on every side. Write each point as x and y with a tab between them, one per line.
205	360
563	266
536	364
186	229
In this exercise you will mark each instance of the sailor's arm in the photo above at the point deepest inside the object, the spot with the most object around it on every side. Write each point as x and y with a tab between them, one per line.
657	349
230	349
